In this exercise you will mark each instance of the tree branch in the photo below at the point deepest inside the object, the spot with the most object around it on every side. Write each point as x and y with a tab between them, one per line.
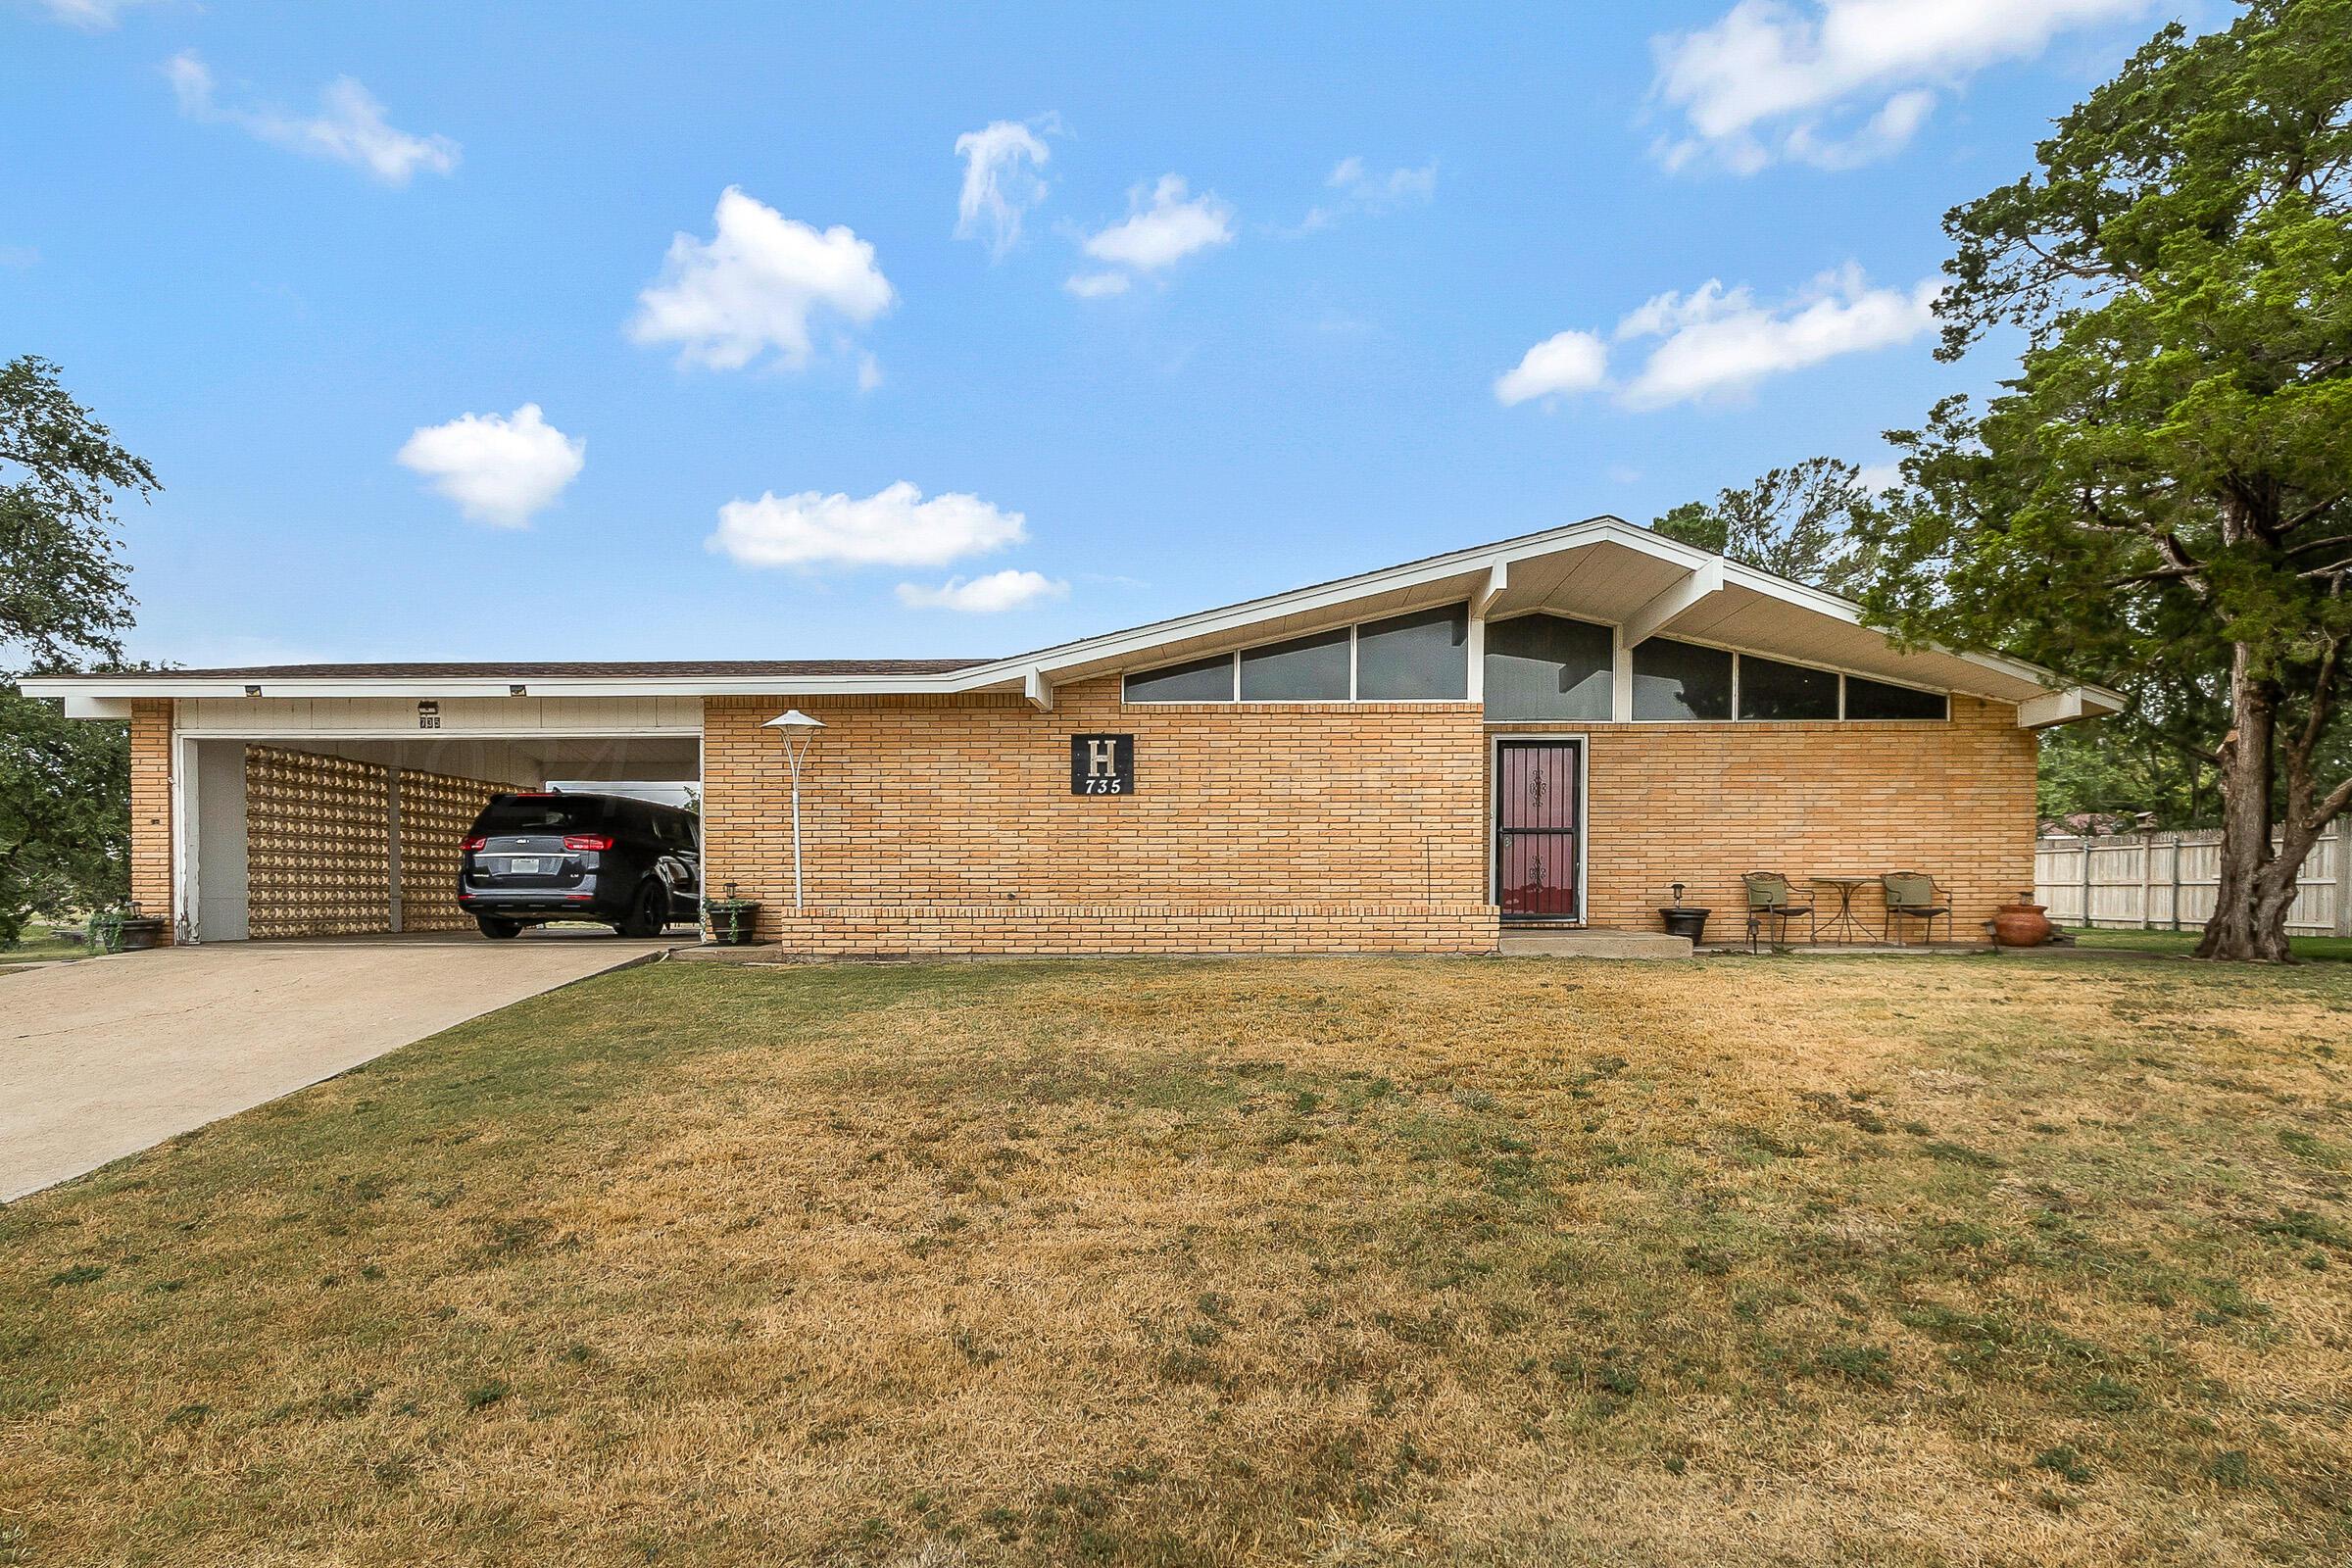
2090	274
2323	699
2330	807
2309	545
2317	509
2164	574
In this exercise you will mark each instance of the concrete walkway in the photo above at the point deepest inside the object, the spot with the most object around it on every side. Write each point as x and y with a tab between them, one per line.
107	1056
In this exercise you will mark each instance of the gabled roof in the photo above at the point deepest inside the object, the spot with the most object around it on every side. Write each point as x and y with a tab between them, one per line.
584	669
1602	569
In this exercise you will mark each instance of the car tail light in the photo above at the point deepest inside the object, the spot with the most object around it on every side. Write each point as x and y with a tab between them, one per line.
478	842
587	841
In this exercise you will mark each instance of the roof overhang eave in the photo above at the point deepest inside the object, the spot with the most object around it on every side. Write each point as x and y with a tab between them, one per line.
129	687
1037	672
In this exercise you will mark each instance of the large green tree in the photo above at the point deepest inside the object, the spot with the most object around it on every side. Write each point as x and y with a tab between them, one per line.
2157	498
65	603
1793	522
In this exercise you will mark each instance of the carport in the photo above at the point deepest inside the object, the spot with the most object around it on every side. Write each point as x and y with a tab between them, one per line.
344	816
309	836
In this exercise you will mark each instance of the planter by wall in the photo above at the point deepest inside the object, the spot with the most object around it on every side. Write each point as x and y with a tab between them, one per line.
2021	925
732	921
139	933
1683	922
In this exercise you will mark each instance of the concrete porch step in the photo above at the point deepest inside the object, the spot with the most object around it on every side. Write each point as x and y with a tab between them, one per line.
1569	944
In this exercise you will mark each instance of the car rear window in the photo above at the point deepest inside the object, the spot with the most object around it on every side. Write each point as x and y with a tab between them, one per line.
542	814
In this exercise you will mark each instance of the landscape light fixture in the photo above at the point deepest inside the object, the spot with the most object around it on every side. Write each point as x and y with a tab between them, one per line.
799	733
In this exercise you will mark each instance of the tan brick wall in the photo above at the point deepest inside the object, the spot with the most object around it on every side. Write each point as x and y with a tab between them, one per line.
1046	930
958	803
1703	802
946	825
151	808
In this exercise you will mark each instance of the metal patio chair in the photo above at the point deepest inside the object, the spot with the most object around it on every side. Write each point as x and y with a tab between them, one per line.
1912	896
1771	897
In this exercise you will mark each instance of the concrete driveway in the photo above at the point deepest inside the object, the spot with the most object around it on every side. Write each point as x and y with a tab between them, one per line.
104	1058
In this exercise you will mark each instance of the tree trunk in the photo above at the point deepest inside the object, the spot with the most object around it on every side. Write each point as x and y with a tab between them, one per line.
2249	917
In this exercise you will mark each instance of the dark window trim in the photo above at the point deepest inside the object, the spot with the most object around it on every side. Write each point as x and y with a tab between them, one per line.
1617	650
1740	655
1234	659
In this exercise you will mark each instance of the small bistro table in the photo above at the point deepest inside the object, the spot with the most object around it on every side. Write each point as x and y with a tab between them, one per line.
1846	887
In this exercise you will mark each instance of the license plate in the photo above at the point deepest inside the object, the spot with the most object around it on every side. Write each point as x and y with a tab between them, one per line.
522	866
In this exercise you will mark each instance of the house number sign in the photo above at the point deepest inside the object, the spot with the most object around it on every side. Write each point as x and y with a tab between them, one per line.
1101	764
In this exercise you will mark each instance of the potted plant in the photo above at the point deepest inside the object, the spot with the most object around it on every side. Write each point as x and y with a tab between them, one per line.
1682	921
733	921
124	930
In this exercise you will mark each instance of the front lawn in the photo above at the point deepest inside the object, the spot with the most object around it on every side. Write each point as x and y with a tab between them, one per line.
2180	943
1868	1260
42	944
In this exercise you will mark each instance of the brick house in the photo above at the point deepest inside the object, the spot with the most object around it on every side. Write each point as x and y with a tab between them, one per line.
1545	731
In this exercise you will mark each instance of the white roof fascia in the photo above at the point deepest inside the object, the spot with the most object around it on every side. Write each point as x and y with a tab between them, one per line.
132	686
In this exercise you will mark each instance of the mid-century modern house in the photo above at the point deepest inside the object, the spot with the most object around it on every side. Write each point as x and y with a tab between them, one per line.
1551	730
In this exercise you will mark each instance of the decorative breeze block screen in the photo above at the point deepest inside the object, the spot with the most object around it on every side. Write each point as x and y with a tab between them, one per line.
436	810
317	845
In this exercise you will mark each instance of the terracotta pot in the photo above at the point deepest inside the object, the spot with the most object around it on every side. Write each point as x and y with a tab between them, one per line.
2021	925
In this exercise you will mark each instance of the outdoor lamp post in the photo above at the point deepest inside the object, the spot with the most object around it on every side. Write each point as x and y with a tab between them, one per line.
799	733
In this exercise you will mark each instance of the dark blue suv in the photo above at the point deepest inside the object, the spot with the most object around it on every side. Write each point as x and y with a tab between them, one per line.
627	864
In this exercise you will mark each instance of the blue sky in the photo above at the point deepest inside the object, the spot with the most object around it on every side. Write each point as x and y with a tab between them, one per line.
1289	296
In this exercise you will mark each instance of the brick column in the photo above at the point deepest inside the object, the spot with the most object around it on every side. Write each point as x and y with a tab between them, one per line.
151	827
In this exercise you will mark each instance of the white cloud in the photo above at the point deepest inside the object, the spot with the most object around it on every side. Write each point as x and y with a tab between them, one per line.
1096	285
90	14
1882	134
1715	342
753	286
869	372
498	470
1001	181
1565	362
893	527
351	128
1355	189
1876	477
984	596
1772	79
1155	236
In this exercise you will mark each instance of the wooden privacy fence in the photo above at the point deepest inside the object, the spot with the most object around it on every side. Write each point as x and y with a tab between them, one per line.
2166	882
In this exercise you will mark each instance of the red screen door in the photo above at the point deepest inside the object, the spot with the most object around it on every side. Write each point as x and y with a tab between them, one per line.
1538	828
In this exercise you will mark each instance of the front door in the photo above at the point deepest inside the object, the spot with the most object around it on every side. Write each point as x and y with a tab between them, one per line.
1538	828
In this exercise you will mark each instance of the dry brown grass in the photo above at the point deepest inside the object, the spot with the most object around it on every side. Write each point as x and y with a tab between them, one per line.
1466	1261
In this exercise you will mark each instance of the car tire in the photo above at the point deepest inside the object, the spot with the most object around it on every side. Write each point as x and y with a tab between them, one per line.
649	913
498	930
